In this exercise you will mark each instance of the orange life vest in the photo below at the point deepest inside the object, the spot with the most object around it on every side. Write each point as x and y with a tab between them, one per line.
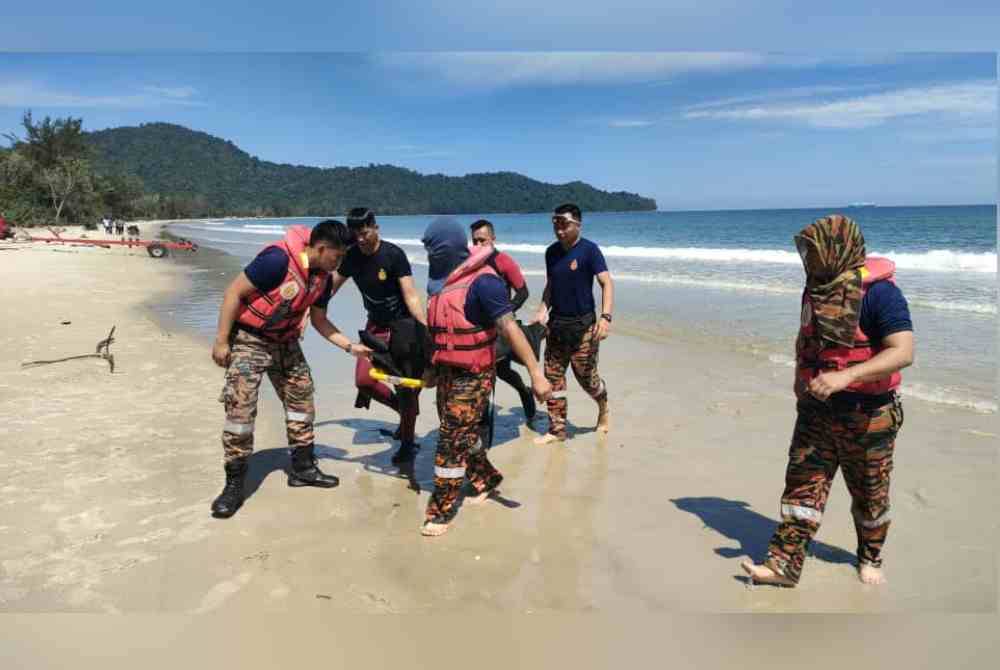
814	356
456	340
280	314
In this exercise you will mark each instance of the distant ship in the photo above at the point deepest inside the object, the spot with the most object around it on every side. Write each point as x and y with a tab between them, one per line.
855	205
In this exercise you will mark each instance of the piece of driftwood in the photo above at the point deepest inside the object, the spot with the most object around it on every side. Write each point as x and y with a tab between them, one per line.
102	350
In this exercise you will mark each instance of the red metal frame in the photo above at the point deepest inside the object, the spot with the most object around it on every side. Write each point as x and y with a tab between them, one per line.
185	245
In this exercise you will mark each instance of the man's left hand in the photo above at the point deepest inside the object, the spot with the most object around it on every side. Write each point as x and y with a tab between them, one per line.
602	329
828	383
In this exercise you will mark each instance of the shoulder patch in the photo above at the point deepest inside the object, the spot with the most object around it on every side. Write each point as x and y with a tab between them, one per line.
289	290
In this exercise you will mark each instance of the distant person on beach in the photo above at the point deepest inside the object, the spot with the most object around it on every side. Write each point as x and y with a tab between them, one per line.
5	229
106	222
571	265
468	303
855	335
119	227
263	315
382	273
508	269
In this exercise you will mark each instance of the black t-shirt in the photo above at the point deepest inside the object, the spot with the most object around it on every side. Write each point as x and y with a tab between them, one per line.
377	277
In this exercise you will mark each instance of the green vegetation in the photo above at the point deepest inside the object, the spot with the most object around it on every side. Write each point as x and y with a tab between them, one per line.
57	172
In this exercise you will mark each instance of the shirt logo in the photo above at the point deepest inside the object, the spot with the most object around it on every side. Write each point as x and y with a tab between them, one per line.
573	266
381	274
289	290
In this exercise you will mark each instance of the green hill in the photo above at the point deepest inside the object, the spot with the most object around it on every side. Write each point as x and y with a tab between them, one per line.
214	177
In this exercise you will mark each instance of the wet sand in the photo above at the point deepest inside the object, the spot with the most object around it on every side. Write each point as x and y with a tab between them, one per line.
107	480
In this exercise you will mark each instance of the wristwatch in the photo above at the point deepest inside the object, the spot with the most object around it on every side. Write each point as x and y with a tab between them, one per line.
349	347
606	317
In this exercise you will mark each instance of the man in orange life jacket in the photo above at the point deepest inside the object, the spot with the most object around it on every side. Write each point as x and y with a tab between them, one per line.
508	269
382	273
262	317
855	336
468	304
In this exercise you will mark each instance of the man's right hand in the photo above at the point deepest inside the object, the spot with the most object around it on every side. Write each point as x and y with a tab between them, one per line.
221	354
541	387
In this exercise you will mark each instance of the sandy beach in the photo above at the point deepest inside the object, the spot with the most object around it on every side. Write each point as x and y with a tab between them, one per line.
107	479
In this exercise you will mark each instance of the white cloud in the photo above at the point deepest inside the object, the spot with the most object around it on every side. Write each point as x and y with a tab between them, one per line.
496	69
630	123
176	92
798	92
967	101
26	94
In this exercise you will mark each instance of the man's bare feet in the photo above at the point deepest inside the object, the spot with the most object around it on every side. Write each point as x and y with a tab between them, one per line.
548	438
761	574
430	529
603	418
869	574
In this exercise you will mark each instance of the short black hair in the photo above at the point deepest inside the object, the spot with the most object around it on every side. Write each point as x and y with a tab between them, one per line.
360	217
333	232
571	209
482	223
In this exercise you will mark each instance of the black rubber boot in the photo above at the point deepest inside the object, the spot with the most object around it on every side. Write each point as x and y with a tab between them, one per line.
231	498
304	471
406	453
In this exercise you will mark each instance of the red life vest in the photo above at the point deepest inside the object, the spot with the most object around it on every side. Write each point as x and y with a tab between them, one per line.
814	356
457	341
280	314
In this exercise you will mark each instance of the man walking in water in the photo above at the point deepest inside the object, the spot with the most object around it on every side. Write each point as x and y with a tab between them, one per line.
261	319
571	265
854	337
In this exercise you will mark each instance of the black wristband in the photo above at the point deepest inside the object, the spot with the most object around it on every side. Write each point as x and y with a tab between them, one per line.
606	317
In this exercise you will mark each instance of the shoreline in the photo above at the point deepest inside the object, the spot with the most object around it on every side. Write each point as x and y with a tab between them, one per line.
109	479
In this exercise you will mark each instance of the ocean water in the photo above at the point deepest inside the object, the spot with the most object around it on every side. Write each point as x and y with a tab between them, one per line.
733	278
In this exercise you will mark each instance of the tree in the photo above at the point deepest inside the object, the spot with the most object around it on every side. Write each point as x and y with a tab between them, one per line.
49	141
66	179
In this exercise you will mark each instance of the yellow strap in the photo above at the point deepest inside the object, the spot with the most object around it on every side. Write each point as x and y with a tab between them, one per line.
383	376
864	272
304	260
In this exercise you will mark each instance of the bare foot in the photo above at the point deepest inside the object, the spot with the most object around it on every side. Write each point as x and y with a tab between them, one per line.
869	574
482	497
761	574
603	418
548	438
430	529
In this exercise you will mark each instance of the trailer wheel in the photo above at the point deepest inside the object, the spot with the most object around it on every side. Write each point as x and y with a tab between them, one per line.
156	250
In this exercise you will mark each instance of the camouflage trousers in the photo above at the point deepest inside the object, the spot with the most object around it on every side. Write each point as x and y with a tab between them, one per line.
581	354
860	442
288	371
462	399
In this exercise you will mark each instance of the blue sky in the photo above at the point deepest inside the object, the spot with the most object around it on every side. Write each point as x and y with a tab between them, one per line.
695	130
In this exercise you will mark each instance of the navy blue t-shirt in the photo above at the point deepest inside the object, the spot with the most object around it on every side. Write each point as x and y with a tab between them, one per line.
487	300
884	311
268	270
571	277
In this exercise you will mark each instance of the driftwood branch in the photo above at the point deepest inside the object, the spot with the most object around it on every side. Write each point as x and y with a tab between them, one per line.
103	350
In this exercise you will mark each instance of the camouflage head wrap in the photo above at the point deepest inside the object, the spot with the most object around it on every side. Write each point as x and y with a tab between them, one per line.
833	253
